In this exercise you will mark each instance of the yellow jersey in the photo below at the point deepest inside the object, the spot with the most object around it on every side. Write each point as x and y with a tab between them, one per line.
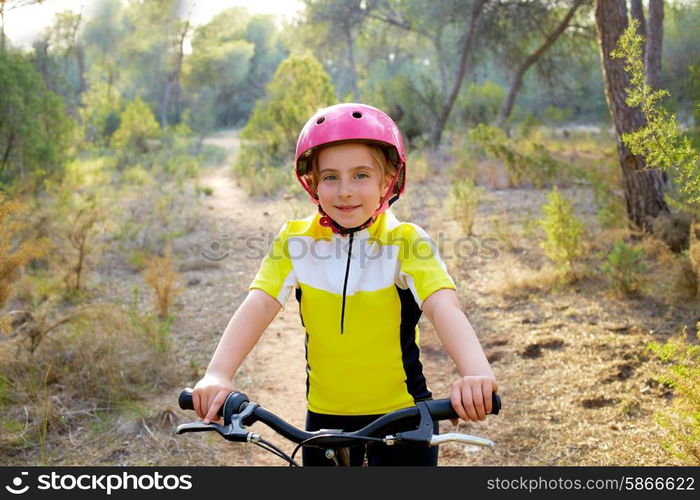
360	298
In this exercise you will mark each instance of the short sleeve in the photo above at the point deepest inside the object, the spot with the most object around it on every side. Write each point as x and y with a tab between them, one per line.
276	275
421	269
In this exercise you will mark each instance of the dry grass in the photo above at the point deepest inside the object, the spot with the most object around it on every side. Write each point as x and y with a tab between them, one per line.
161	276
16	249
81	228
579	384
520	281
76	377
68	368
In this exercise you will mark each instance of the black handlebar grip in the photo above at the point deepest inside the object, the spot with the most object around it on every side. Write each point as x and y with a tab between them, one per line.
495	403
185	400
232	405
441	409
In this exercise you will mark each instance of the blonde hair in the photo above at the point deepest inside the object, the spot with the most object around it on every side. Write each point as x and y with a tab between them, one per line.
377	153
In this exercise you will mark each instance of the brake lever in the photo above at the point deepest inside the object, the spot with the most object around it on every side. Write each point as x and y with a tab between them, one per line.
199	427
448	437
232	432
235	431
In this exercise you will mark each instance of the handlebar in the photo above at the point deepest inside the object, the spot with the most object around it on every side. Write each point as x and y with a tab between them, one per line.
238	412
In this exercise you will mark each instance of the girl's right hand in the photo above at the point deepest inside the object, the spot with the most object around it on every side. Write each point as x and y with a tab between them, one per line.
208	396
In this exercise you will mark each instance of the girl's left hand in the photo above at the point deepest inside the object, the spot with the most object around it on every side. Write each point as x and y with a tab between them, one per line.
471	397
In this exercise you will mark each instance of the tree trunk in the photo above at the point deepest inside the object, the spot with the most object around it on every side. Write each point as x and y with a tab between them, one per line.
75	49
442	67
41	62
351	62
637	12
655	31
174	78
80	56
2	27
340	89
466	48
643	186
8	150
517	81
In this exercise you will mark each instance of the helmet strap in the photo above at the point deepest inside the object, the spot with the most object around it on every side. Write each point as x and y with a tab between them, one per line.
387	200
327	221
384	203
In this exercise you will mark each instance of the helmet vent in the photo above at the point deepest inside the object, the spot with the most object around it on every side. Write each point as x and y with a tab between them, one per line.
320	120
357	114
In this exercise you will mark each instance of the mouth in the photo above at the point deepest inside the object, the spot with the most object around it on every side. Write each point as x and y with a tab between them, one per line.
346	209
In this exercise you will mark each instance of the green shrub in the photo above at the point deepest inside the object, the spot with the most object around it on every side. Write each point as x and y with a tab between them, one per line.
563	232
264	180
529	125
136	175
99	112
682	420
463	202
398	96
502	228
138	132
553	115
480	103
36	132
525	161
204	190
299	88
624	266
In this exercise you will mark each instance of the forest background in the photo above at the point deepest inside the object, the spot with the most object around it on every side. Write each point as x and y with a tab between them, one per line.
143	157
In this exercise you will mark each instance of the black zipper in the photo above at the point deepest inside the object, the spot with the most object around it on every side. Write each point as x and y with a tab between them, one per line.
345	283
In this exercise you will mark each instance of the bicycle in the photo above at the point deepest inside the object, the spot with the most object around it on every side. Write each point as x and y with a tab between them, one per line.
239	412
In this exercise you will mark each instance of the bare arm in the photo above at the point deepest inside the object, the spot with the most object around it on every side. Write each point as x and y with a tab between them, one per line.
242	333
471	393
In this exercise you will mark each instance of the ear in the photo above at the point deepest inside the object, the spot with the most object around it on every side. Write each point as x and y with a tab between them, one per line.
387	181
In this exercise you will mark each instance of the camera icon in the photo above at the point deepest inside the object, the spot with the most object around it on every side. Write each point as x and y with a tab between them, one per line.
17	482
215	253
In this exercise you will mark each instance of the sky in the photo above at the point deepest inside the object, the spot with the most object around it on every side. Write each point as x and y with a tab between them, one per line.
24	24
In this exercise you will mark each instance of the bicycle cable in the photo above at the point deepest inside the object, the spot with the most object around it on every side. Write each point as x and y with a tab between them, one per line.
268	446
306	441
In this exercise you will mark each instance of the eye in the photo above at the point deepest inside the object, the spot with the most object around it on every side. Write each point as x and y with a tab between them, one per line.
329	177
362	175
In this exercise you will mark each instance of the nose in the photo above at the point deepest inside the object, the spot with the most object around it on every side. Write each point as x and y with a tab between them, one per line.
344	188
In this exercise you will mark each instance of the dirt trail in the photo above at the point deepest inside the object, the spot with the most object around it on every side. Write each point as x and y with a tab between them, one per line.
240	229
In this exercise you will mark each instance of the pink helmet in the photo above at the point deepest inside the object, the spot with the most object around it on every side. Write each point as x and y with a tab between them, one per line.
353	122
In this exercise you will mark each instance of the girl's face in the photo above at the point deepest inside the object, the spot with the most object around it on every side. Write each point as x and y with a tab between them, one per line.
350	183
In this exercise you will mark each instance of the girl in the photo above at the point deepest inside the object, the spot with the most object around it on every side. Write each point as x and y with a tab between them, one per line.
362	280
